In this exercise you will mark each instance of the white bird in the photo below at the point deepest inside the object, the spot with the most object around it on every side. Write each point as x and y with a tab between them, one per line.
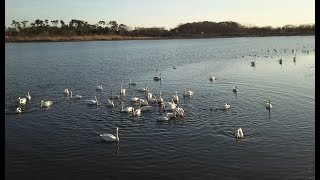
134	99
143	102
151	98
235	89
212	78
111	137
66	91
160	100
226	106
93	101
99	87
127	109
122	91
75	96
22	100
179	111
45	104
269	105
144	108
145	89
169	106
175	97
18	110
132	83
28	96
163	118
171	115
239	133
137	112
110	103
187	93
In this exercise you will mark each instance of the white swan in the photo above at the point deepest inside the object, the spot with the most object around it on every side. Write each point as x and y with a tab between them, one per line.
187	93
127	109
169	106
45	104
160	100
145	89
99	87
111	137
175	97
180	112
239	133
269	105
110	103
143	102
212	78
226	106
144	108
93	101
235	89
75	96
134	99
22	100
132	83
18	110
171	115
28	96
122	91
66	91
152	99
137	112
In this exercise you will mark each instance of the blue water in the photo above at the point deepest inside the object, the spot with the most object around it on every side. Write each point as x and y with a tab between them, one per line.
63	142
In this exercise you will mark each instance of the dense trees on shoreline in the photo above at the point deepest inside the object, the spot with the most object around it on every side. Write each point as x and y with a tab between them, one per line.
196	29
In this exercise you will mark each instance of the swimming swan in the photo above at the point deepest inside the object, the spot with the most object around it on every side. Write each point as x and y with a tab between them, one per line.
46	104
226	106
75	96
22	100
28	96
111	137
99	87
127	109
269	105
18	110
187	93
66	91
110	103
239	133
93	101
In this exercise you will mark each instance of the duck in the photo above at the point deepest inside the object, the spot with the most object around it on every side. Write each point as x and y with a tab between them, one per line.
187	93
294	58
269	105
111	137
75	96
28	96
212	78
235	89
239	133
93	101
22	100
45	104
157	78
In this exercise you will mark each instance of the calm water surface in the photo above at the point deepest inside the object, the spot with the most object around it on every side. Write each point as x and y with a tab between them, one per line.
63	142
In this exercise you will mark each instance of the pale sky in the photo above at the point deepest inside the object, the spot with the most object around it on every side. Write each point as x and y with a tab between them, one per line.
164	13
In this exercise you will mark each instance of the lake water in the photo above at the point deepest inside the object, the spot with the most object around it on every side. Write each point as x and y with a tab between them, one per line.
63	142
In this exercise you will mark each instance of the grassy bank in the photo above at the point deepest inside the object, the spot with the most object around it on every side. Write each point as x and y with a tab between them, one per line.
43	38
59	38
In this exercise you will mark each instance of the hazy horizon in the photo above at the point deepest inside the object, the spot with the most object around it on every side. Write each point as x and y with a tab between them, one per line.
167	14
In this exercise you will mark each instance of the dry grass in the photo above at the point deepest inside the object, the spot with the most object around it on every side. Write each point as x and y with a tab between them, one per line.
45	38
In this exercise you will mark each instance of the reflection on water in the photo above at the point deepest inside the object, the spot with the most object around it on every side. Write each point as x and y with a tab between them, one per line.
63	142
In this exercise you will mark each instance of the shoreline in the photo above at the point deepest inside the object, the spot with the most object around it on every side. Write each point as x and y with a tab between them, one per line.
28	39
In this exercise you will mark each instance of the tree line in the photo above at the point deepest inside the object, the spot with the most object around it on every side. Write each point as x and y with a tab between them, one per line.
194	29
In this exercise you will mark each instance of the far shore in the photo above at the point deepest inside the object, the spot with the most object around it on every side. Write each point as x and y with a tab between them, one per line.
74	38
